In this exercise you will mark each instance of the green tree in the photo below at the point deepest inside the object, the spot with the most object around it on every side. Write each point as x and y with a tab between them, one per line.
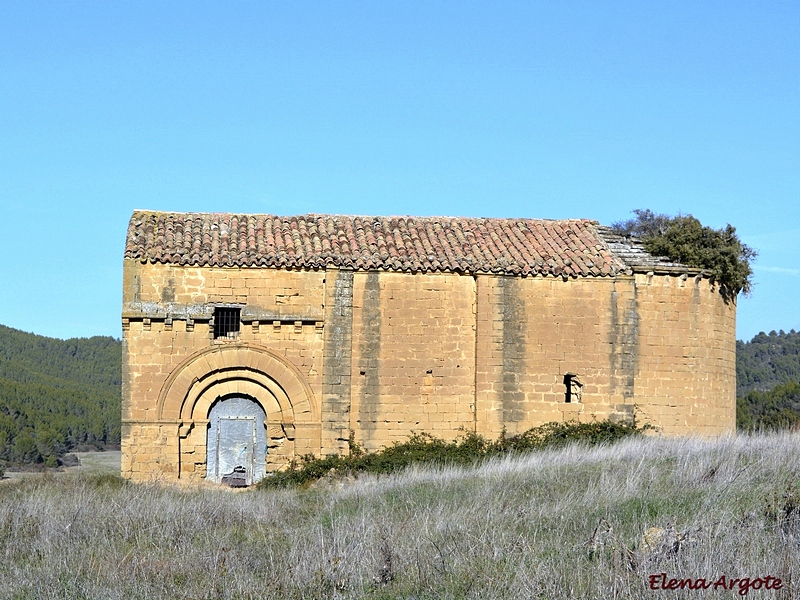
684	239
24	449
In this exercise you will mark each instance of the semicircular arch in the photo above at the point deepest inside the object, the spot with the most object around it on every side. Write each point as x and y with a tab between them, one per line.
262	388
230	364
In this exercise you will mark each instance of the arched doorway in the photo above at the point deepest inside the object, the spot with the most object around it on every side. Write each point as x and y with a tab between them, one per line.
212	377
236	442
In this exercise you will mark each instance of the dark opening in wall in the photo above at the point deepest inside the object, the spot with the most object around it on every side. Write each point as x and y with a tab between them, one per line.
574	388
226	322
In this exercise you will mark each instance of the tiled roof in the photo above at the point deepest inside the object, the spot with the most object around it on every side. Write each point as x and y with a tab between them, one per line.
572	247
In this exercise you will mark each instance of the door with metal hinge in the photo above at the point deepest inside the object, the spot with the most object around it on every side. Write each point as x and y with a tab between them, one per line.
236	443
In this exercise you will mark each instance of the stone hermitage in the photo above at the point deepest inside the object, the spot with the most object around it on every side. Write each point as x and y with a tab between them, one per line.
249	340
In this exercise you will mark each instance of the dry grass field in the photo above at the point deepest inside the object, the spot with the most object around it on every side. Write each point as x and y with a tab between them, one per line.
571	523
90	463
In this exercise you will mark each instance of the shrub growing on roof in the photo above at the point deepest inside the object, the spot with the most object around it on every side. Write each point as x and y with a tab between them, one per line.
684	239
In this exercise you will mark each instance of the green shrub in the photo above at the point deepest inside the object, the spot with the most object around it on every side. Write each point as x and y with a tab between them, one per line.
424	448
552	435
684	239
108	481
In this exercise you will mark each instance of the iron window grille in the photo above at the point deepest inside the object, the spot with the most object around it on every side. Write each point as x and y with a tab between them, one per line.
226	322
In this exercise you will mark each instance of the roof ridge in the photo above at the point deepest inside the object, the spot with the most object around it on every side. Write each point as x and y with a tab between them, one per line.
359	216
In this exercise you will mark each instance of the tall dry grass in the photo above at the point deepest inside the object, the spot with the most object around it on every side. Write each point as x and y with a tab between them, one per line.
566	523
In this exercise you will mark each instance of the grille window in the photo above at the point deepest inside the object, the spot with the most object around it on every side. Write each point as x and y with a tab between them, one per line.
226	322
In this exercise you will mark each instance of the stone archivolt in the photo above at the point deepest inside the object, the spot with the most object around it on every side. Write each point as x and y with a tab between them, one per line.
241	369
222	369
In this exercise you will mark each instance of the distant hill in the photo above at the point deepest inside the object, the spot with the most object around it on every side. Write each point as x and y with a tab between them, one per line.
57	395
766	361
768	381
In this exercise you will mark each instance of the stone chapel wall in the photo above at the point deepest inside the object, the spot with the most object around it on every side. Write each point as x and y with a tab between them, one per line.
384	354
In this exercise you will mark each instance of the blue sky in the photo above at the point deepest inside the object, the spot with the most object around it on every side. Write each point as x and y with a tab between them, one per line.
503	109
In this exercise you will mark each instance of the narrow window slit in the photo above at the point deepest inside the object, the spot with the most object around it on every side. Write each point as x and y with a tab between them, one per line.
574	388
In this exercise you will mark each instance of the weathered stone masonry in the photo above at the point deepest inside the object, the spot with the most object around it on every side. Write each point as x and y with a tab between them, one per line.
386	326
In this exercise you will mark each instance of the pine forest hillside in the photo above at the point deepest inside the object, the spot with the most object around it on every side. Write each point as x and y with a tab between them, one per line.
768	381
56	396
766	361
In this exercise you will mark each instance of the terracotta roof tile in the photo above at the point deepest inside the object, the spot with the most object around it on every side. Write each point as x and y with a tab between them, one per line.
575	247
